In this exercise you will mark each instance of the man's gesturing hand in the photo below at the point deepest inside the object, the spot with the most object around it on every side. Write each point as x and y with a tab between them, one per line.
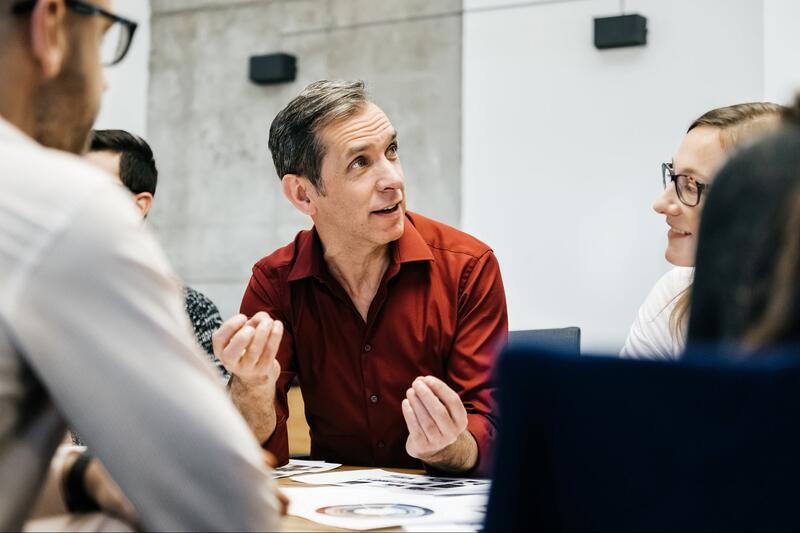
437	426
248	348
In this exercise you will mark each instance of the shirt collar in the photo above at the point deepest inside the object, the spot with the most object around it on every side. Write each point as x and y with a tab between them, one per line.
309	260
10	133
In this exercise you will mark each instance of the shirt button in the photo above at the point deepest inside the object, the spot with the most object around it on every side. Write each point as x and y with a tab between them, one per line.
381	444
374	398
367	348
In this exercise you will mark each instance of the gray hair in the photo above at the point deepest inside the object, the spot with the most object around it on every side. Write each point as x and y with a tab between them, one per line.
293	136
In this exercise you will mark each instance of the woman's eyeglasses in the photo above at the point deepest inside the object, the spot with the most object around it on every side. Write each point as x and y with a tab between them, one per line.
689	190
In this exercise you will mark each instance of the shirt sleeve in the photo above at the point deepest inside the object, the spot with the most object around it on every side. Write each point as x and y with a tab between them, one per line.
101	322
651	336
262	295
482	331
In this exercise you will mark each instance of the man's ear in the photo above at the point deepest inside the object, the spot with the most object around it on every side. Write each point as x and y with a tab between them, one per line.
144	201
301	193
49	36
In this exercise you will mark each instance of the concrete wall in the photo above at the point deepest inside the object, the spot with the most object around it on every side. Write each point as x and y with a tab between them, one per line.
219	207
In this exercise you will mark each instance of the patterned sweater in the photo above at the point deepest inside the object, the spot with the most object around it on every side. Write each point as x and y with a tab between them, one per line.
205	319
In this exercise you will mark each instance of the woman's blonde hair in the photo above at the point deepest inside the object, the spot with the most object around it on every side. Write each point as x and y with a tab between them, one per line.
739	125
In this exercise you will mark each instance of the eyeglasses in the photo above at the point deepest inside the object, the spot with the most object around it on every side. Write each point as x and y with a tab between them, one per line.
689	190
117	39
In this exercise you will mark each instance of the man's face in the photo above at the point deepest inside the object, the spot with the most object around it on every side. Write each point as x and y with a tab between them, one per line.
67	105
364	192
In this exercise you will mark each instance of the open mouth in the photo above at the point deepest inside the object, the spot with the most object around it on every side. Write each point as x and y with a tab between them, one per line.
678	233
388	210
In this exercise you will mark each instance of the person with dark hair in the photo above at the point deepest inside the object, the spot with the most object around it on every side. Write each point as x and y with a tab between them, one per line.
390	320
659	331
130	159
93	327
746	292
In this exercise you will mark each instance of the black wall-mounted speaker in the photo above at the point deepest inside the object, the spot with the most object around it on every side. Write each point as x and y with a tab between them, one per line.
273	68
621	31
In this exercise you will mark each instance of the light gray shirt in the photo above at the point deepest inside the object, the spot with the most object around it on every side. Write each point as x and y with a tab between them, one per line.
93	334
651	335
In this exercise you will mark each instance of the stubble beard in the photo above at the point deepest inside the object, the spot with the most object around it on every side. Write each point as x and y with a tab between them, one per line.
65	111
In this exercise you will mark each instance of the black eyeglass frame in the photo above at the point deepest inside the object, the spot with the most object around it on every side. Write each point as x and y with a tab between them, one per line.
84	8
666	169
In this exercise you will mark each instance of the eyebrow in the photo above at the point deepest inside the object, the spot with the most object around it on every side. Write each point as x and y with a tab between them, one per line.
689	171
362	147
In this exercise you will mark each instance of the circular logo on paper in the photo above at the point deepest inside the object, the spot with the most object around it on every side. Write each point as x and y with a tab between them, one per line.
376	510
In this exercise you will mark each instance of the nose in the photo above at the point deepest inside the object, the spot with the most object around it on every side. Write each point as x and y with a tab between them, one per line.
391	176
667	202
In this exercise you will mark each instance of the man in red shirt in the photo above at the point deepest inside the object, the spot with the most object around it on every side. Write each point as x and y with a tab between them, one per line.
390	320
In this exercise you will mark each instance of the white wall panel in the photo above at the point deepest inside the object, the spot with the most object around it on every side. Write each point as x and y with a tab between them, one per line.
562	145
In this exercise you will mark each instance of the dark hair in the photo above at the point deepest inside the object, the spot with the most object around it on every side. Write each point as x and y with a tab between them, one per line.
293	140
137	167
747	278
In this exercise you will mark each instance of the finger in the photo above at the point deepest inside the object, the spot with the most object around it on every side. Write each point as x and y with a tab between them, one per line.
273	343
414	429
234	351
283	501
261	316
270	459
426	422
435	407
223	335
450	399
274	371
251	357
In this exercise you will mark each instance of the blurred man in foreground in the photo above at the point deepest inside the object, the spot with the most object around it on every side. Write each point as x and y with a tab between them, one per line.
92	326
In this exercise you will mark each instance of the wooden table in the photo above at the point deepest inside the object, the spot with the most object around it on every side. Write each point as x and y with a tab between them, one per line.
295	523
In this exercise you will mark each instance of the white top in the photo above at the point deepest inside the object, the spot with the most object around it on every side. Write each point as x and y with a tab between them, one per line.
93	331
651	335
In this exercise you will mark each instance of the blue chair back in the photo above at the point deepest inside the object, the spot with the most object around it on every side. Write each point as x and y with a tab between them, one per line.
567	340
606	444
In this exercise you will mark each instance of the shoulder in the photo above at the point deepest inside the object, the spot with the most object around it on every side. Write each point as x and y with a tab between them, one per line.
199	303
447	240
282	259
62	173
671	285
54	187
651	335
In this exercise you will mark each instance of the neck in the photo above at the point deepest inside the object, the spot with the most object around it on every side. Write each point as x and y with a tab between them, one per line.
15	94
359	268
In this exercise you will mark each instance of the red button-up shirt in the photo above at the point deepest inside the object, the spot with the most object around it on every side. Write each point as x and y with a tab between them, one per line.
440	310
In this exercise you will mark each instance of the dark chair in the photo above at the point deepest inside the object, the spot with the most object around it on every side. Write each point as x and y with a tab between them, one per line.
606	444
563	339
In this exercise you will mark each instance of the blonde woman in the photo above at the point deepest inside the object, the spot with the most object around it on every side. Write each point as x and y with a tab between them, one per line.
659	331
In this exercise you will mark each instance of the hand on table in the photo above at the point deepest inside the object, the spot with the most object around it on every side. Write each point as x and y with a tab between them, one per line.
102	489
105	491
437	426
248	348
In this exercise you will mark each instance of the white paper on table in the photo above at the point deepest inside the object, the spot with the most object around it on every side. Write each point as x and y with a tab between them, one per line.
298	467
408	483
443	528
363	509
